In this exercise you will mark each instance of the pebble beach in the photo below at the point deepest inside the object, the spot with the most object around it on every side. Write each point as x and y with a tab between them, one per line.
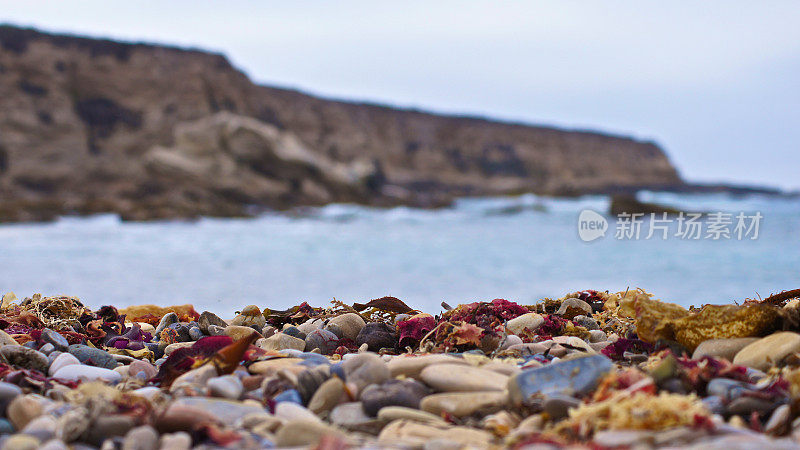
592	369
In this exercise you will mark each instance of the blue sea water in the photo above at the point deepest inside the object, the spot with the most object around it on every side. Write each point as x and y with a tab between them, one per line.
522	249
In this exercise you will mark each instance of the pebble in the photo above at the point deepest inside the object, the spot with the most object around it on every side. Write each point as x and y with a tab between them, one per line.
351	416
21	442
461	404
350	324
458	378
77	372
167	320
290	412
407	393
24	357
250	316
237	332
55	339
172	347
141	438
586	322
272	366
769	351
526	322
390	413
509	341
572	307
377	335
8	392
722	348
227	386
227	411
329	394
175	441
281	341
54	444
323	340
419	435
576	377
308	326
195	333
364	369
23	409
92	356
596	336
411	366
557	406
305	433
42	427
208	318
6	339
194	378
141	366
108	426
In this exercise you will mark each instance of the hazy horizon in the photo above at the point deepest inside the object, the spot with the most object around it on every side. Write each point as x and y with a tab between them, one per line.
715	88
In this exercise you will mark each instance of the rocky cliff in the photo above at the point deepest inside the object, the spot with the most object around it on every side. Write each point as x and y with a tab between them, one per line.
148	131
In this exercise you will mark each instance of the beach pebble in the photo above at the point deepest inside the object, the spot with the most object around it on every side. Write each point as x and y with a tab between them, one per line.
172	347
6	339
195	333
21	442
82	372
557	406
142	366
596	336
351	417
407	433
460	404
194	378
8	392
23	409
295	332
226	411
390	413
305	433
575	377
55	339
226	386
24	357
108	426
329	394
175	441
349	323
528	321
291	412
281	341
323	340
769	351
47	349
377	335
411	366
308	326
458	378
92	356
250	316
144	437
508	341
272	366
167	320
722	348
54	444
393	392
237	332
364	369
572	307
586	322
207	318
42	427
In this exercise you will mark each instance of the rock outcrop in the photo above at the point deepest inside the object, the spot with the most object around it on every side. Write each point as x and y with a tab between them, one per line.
149	131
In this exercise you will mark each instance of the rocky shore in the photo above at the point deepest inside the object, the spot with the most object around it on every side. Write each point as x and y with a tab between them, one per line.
589	370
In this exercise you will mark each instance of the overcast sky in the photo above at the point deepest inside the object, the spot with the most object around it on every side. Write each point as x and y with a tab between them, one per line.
716	83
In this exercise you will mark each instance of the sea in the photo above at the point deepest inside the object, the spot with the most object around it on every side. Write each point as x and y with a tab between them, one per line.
518	248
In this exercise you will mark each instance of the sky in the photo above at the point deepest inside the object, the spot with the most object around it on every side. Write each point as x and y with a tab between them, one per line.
715	83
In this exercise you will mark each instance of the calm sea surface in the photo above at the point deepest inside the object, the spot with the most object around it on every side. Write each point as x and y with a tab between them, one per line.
521	249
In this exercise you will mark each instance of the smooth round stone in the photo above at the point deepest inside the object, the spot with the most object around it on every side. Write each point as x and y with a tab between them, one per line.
24	357
508	341
364	369
21	442
377	335
172	347
304	433
272	366
558	406
572	307
407	433
462	404
596	336
214	330
53	337
268	331
92	356
42	427
250	316
195	333
6	339
745	406
290	412
295	332
350	324
227	411
167	320
411	366
194	378
148	392
105	427
533	348
351	416
227	386
504	368
175	441
459	378
23	409
47	349
324	340
586	322
281	341
237	332
141	366
8	392
54	444
6	427
308	381
722	348
573	343
77	372
393	392
767	352
391	413
141	438
289	395
576	377
308	326
207	318
529	322
329	394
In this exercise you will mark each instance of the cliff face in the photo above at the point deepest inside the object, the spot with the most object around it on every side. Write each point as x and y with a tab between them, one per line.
148	131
